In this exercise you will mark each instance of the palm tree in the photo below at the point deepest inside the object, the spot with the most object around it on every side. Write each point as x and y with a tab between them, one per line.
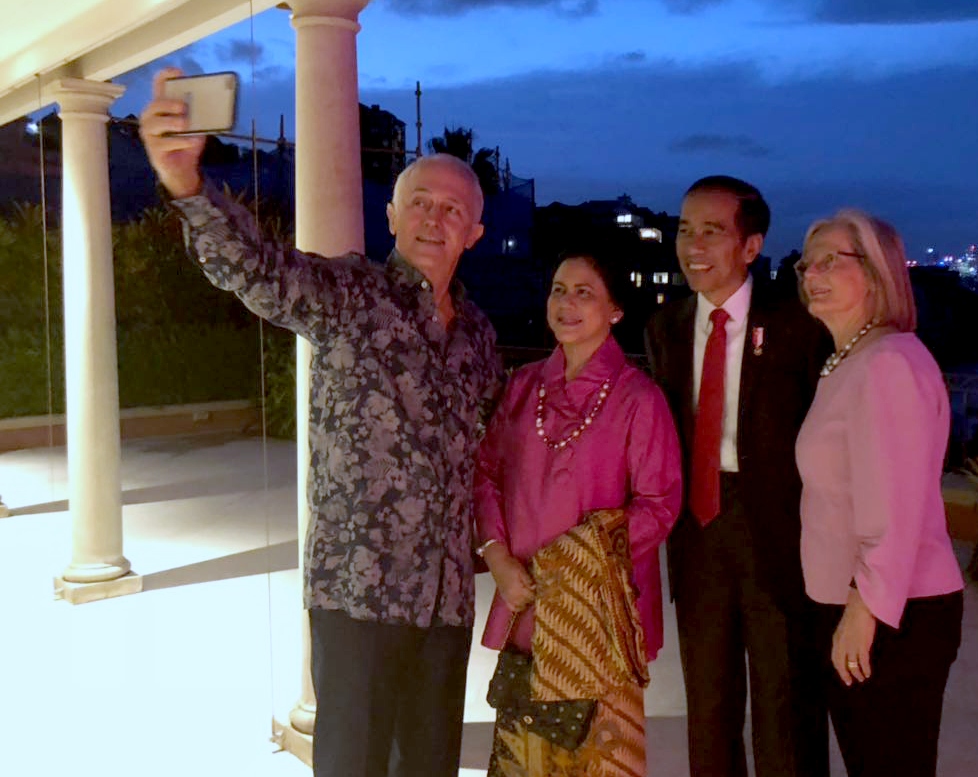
458	141
485	163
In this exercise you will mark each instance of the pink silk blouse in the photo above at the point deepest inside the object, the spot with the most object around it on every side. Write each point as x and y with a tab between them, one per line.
871	453
526	495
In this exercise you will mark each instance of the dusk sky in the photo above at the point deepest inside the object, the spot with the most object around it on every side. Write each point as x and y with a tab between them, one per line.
820	103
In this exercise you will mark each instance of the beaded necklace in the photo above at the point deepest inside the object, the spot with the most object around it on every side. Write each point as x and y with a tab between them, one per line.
588	419
834	360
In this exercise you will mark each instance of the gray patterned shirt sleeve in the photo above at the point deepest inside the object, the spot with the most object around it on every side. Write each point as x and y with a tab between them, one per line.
397	405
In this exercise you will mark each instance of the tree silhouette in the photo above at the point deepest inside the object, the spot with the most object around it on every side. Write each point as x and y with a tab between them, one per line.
456	141
485	162
459	142
786	280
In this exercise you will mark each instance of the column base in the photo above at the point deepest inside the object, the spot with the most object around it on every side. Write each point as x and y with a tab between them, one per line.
292	741
303	717
100	572
80	593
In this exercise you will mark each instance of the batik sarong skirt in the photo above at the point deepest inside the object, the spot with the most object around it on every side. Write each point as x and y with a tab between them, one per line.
614	746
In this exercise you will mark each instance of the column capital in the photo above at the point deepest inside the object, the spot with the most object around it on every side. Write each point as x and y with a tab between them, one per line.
79	96
341	13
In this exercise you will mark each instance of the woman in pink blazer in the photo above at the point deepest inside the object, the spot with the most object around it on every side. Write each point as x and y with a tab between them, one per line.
874	544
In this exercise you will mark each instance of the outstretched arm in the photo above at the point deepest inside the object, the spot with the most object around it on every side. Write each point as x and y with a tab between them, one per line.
301	292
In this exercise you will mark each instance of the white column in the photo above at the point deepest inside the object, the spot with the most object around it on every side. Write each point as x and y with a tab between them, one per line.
329	211
91	371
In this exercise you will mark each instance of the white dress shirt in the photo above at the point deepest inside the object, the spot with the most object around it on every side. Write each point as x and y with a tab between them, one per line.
737	307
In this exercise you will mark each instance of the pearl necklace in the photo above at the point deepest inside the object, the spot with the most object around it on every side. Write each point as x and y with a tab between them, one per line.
834	360
588	419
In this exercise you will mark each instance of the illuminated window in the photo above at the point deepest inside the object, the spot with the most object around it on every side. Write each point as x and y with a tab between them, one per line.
650	233
624	219
636	279
660	298
660	277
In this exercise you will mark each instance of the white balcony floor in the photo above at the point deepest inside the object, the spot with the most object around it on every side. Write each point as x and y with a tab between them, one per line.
186	677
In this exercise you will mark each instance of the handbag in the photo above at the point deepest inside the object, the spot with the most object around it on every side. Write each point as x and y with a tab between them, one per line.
564	723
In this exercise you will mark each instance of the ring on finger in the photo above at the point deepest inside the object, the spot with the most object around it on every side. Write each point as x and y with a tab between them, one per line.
852	664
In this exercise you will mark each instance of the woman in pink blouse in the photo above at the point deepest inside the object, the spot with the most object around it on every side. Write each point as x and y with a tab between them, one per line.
874	544
581	430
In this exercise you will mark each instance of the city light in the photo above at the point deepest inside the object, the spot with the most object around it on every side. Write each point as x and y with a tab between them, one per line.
965	264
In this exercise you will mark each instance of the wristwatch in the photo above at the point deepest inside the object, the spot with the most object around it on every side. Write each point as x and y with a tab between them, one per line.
481	550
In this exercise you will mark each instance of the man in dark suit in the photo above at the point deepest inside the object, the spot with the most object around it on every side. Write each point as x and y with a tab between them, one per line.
739	367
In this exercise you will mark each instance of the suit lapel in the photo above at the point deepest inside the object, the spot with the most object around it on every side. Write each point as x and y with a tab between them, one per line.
686	322
752	363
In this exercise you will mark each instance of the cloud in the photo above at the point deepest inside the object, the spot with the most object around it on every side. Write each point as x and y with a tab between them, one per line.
853	11
894	11
691	6
812	145
633	57
738	145
241	50
571	8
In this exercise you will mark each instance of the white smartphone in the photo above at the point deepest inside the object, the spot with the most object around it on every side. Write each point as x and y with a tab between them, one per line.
212	101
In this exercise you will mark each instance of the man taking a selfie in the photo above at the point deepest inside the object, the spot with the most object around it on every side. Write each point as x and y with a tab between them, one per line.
404	374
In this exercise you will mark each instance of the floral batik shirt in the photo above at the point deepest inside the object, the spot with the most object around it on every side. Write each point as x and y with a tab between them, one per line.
397	407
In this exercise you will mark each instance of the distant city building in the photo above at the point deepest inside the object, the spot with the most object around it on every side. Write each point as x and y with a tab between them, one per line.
382	144
641	241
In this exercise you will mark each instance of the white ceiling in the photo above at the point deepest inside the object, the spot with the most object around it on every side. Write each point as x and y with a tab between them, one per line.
45	40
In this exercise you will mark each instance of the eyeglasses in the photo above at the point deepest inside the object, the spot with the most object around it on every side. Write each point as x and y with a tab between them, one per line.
824	265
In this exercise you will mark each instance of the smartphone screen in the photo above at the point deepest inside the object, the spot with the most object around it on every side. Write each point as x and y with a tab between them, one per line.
211	101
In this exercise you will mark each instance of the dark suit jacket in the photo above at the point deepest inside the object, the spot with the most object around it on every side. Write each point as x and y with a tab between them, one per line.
776	388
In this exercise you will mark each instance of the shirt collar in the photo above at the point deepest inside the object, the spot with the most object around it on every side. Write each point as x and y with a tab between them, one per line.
603	364
410	277
737	306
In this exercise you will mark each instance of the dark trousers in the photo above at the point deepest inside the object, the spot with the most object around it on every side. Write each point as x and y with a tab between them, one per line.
389	699
722	614
889	724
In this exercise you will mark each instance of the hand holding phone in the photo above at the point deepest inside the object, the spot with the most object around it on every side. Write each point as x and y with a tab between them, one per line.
163	127
211	101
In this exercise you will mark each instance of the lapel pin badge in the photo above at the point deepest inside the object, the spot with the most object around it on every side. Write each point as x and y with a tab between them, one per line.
757	340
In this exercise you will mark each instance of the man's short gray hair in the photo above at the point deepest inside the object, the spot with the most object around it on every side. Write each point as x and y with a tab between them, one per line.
461	167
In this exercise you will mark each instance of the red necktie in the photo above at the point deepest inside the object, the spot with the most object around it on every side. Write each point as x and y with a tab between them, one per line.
704	487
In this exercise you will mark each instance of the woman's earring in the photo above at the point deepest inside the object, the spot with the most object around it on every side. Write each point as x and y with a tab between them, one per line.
615	319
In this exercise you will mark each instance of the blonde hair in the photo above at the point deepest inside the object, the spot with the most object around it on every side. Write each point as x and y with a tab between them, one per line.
464	169
884	261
